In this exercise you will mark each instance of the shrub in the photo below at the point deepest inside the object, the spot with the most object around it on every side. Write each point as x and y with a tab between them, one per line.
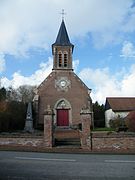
117	123
4	121
13	118
130	121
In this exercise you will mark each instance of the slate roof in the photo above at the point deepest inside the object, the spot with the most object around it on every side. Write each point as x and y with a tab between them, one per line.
62	37
120	103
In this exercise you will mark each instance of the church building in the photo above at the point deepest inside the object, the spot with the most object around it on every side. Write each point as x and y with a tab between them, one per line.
62	93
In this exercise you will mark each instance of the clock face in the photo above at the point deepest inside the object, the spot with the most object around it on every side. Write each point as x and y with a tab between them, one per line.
63	83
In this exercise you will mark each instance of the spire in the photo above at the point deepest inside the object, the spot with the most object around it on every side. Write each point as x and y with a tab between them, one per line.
62	49
62	37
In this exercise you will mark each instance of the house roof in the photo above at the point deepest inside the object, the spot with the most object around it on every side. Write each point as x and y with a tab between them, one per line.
62	37
120	103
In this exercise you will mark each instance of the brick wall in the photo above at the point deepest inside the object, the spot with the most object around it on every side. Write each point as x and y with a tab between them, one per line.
101	143
113	142
21	143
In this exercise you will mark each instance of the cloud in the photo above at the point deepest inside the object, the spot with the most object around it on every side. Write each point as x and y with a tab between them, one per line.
32	24
2	62
75	65
101	81
25	25
104	84
36	78
128	50
127	84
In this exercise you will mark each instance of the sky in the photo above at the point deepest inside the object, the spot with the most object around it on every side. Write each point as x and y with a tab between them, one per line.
102	31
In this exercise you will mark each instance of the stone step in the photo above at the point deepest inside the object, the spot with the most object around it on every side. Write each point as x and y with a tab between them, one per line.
67	142
65	134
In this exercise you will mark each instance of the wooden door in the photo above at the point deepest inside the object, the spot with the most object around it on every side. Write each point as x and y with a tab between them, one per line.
62	117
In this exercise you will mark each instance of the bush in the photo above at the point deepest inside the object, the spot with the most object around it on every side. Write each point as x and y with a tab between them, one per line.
130	121
118	123
4	121
13	118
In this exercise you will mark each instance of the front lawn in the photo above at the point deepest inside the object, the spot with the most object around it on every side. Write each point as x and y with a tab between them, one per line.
104	129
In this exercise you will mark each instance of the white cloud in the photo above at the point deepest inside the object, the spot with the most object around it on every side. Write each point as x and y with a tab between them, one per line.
75	65
34	79
128	82
2	62
27	24
128	50
104	84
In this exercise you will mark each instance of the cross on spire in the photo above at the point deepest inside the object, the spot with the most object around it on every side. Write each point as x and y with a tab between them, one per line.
63	14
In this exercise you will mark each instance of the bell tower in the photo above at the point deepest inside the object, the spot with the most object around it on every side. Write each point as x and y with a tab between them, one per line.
63	94
62	50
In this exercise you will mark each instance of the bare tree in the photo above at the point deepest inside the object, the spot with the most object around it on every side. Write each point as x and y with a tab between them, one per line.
26	93
11	94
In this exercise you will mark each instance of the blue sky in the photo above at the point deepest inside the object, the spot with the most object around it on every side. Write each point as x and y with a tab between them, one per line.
103	32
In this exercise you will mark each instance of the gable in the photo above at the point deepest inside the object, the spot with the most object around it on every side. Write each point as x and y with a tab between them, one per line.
81	82
56	76
45	82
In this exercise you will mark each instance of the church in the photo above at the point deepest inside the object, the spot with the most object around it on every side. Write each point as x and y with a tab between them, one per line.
63	94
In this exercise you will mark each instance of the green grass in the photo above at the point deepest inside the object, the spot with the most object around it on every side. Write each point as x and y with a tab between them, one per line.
103	129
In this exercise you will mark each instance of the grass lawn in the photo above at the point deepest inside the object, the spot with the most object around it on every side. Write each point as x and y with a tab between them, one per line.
104	129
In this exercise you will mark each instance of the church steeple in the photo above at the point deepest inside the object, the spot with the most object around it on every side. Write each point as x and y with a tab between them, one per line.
62	49
62	37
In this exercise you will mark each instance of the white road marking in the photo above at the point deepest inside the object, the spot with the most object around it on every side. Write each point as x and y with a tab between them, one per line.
46	159
119	161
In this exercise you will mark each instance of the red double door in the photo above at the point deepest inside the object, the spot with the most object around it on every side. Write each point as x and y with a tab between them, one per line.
62	117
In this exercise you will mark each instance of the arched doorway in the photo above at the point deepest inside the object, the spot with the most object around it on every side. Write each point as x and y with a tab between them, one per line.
63	113
62	117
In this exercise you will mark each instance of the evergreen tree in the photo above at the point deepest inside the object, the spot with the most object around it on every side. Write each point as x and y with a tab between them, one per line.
99	115
2	94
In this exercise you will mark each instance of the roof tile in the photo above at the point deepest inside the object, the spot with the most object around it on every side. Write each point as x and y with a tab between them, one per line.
120	103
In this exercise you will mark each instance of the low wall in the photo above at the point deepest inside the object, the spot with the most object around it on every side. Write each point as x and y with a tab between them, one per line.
123	142
114	144
22	143
101	142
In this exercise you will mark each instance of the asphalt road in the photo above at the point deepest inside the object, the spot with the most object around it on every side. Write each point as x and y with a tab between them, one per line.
54	166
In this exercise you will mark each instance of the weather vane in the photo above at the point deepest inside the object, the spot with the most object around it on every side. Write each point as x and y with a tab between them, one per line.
63	14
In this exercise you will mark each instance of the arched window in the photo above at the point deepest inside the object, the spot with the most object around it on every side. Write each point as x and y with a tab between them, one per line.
60	59
65	59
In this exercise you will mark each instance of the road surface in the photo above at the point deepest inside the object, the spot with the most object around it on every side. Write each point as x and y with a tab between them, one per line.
56	166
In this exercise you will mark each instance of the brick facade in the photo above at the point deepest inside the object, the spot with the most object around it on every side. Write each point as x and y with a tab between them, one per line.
63	91
77	95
